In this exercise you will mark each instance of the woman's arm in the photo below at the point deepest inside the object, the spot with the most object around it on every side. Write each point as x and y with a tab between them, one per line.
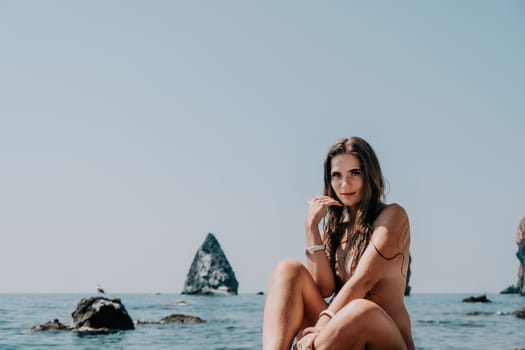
389	239
317	261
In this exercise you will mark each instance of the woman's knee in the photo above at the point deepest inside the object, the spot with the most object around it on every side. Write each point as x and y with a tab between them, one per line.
359	311
288	269
352	321
358	324
362	306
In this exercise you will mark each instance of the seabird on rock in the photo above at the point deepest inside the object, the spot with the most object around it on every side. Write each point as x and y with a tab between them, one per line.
99	289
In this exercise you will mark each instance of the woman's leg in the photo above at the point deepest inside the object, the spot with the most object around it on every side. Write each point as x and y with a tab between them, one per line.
362	324
293	301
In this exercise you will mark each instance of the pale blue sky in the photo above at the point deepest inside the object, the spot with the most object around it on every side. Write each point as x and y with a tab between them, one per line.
131	129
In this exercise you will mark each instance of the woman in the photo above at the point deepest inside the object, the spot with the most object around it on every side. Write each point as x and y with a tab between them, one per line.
361	259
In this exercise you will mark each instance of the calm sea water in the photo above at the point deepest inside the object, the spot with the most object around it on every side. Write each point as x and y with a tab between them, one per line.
439	321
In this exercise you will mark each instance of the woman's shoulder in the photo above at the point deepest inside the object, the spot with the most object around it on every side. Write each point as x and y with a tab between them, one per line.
392	211
391	227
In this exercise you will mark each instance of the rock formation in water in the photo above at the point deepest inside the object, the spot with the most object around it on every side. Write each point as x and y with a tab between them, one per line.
210	272
98	315
101	313
94	315
407	286
520	313
520	254
176	318
477	299
54	325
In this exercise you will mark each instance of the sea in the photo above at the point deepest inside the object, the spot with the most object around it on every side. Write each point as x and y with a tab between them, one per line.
439	321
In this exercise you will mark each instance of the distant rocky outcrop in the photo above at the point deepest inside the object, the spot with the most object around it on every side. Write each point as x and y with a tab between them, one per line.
510	290
519	287
477	299
210	272
409	271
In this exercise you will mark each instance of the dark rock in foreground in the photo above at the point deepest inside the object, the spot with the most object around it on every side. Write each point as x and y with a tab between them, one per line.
210	272
54	325
94	315
176	318
478	299
520	254
101	313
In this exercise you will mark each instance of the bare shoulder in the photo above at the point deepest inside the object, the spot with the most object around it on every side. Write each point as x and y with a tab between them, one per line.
391	212
391	229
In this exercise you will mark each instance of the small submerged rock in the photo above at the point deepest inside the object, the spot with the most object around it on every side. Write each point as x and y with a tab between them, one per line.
503	313
520	313
54	325
479	313
176	318
177	304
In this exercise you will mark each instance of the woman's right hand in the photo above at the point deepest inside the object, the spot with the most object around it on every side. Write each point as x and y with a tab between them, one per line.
306	342
317	208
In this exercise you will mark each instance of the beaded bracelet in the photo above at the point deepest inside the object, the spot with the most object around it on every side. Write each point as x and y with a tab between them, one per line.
328	313
314	248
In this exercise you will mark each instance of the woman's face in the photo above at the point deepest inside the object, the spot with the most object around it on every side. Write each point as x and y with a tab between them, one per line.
346	179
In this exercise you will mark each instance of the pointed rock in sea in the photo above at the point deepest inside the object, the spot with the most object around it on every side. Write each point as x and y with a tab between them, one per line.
210	272
519	287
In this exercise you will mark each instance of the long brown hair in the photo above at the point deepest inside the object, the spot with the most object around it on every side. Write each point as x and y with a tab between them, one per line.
372	195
